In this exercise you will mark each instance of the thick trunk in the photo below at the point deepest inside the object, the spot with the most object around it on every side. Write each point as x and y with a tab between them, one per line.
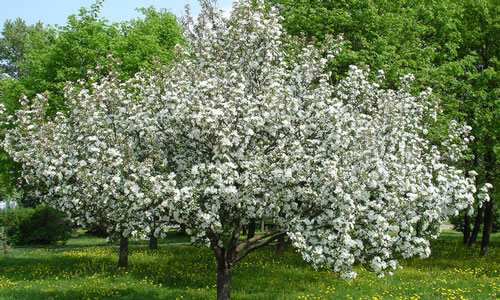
251	229
123	260
226	257
280	248
224	270
153	241
487	227
467	222
232	253
477	226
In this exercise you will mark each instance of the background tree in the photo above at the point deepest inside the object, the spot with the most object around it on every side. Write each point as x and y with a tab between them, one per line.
86	41
14	44
478	89
40	58
449	46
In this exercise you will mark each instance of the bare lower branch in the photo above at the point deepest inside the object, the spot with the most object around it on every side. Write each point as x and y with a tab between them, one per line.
257	246
212	230
255	239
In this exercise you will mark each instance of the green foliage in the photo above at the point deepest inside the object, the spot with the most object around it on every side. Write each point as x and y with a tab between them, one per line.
14	43
11	221
148	39
400	37
45	226
66	53
42	225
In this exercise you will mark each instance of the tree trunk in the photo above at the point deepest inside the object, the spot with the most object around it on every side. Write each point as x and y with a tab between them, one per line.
123	260
467	222
5	250
153	241
251	229
487	227
280	248
224	270
477	226
488	210
182	230
262	225
418	228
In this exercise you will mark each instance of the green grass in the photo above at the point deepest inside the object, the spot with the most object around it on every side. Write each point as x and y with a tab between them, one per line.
187	272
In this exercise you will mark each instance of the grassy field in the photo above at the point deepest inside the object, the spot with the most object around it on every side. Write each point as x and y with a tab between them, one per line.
187	272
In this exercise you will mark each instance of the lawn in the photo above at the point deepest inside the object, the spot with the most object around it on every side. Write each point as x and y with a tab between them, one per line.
187	272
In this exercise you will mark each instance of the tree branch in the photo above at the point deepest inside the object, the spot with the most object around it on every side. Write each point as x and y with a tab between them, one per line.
255	239
216	235
259	245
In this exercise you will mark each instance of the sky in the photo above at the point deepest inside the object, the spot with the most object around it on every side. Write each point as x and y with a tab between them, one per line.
57	11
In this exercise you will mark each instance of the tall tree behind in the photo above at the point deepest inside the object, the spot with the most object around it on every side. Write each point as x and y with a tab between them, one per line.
448	45
38	58
478	93
87	40
14	43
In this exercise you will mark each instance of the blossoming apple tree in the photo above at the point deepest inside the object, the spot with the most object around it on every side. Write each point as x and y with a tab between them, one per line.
89	161
245	124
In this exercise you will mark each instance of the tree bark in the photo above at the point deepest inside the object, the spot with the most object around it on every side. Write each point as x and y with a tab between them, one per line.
418	228
153	241
467	232
123	260
227	256
224	270
487	227
251	229
477	226
280	248
488	210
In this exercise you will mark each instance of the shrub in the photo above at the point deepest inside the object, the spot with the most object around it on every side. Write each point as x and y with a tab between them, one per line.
41	225
11	219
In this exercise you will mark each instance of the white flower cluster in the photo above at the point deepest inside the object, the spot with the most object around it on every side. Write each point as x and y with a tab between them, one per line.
245	124
90	161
